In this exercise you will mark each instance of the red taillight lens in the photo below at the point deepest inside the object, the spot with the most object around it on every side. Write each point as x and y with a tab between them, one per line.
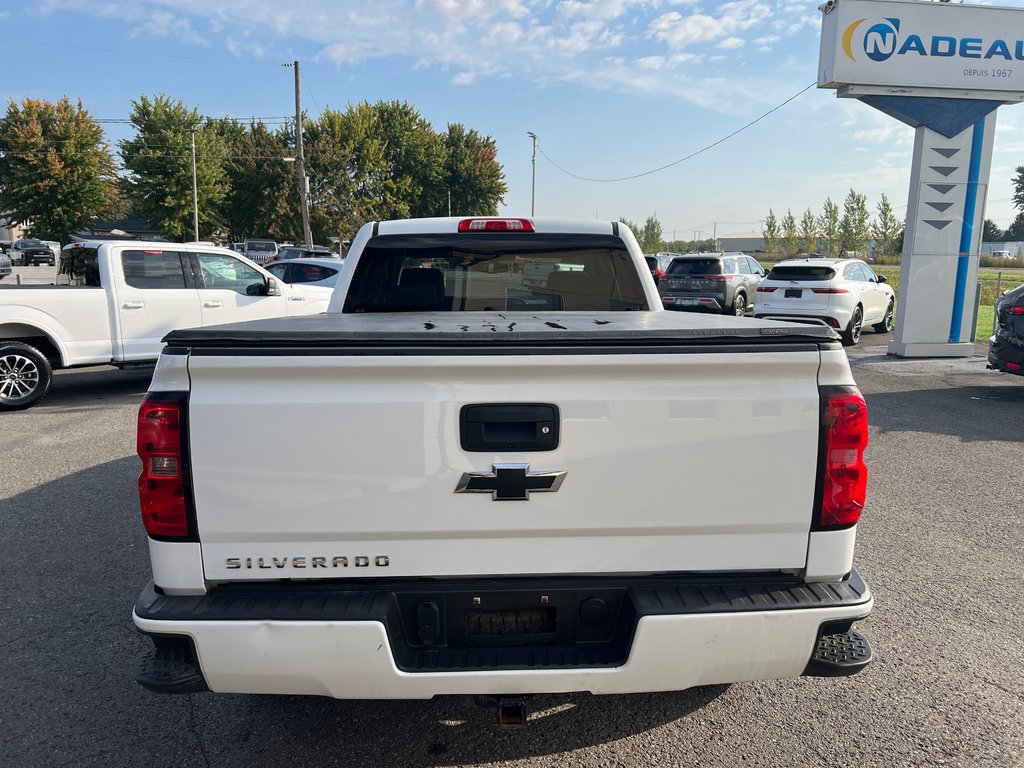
1017	309
715	277
161	482
762	289
495	225
844	475
661	272
829	290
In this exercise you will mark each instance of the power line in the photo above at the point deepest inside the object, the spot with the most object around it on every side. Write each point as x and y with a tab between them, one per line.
310	91
688	157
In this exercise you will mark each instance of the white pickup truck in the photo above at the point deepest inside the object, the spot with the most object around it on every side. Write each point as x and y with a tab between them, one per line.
499	488
122	298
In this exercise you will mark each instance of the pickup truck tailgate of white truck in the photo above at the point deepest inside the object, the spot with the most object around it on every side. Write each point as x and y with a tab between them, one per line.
319	454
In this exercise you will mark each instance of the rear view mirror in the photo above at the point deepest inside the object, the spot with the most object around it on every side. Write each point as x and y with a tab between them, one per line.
272	289
881	279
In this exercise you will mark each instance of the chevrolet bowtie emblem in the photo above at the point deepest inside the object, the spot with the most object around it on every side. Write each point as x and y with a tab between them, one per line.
509	482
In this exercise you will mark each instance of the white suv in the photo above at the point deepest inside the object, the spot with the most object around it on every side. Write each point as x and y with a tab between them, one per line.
844	293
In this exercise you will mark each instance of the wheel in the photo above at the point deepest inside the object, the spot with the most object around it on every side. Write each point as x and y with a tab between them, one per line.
886	325
739	304
25	376
852	333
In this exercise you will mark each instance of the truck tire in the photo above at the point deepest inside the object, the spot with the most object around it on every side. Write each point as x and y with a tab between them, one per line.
25	376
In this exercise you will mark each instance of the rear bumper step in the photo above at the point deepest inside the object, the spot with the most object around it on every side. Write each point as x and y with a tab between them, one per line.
839	654
417	640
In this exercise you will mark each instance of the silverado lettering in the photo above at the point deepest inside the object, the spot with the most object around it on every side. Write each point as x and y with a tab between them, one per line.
360	561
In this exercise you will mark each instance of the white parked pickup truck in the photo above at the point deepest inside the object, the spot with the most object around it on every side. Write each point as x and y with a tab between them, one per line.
123	297
497	487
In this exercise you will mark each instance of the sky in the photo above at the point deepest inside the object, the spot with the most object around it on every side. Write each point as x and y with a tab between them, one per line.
611	88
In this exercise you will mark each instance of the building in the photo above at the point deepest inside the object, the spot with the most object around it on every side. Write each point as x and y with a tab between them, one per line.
748	242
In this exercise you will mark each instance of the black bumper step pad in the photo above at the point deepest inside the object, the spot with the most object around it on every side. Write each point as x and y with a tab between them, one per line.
170	670
839	654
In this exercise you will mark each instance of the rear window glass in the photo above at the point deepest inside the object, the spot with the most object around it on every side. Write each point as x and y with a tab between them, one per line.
79	266
495	272
261	245
695	267
802	272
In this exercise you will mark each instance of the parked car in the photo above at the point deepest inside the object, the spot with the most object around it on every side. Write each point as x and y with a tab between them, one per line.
31	252
1006	347
302	252
260	251
6	267
664	258
652	265
719	282
845	294
307	271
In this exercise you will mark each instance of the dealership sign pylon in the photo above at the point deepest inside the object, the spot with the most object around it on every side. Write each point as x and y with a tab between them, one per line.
944	69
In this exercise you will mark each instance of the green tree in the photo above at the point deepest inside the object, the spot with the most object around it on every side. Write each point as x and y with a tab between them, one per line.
772	235
854	227
828	226
790	235
1016	231
808	232
886	228
56	169
472	173
263	194
414	153
647	235
1018	189
159	161
992	232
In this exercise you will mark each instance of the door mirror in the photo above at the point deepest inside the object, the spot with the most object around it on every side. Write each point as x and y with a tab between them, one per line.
258	289
272	288
881	279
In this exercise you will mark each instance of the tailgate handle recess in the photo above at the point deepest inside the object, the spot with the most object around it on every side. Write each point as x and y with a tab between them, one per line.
490	427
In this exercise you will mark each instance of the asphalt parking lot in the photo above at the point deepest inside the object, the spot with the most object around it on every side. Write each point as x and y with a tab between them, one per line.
940	544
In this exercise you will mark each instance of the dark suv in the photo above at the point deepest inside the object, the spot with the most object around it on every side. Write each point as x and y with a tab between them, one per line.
718	282
32	252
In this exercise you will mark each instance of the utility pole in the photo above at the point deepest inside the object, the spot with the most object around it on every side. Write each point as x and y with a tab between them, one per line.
300	161
533	172
195	189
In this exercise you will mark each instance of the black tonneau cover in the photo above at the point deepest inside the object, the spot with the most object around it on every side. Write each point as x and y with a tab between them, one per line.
496	330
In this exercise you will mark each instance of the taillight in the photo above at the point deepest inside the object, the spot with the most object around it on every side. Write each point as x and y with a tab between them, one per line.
162	492
763	289
829	290
715	277
660	272
844	476
495	225
1016	309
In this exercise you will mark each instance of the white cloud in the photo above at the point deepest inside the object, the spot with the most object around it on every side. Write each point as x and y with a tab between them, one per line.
731	43
678	31
166	24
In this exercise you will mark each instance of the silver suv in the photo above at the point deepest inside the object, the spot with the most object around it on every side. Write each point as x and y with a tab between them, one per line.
719	282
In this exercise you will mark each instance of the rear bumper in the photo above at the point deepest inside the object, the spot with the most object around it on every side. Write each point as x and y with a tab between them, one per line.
709	302
1005	357
663	635
835	320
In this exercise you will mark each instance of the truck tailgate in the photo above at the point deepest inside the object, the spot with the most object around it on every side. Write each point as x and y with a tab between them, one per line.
311	465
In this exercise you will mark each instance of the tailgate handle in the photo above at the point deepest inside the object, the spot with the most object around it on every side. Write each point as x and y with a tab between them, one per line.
491	427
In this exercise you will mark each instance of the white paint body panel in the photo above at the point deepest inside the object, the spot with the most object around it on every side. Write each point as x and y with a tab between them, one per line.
353	660
365	457
119	323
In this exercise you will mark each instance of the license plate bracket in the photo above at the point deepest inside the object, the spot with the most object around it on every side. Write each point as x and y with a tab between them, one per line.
793	293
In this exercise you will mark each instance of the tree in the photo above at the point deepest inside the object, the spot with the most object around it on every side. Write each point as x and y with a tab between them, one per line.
1018	187
159	161
790	235
1016	230
414	153
886	228
828	226
992	233
263	193
771	234
808	232
472	173
854	228
56	169
648	235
